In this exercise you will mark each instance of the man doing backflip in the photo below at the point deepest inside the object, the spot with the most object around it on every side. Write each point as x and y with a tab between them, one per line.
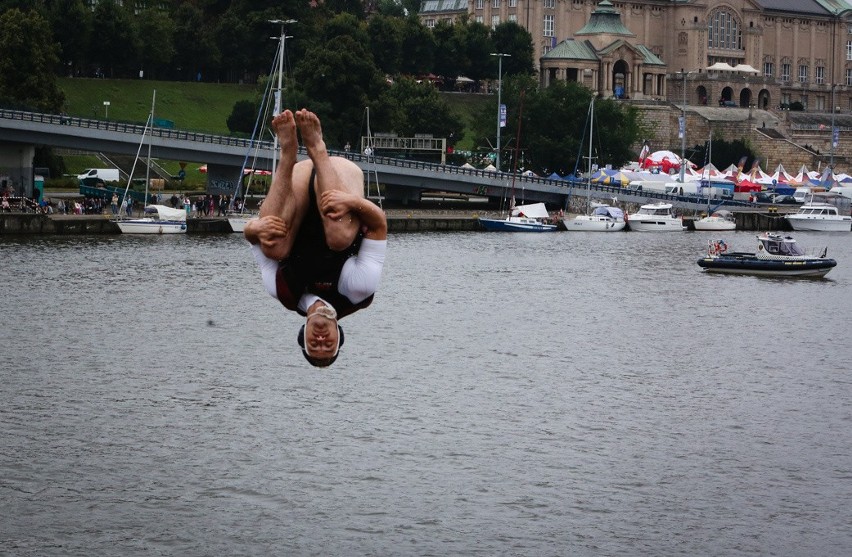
319	243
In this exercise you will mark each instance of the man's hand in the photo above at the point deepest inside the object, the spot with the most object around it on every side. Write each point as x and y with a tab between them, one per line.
269	232
335	204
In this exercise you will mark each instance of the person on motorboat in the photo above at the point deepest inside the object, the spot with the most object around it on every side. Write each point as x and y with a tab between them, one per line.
319	243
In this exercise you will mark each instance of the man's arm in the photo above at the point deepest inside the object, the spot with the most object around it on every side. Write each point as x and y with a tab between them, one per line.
336	204
269	232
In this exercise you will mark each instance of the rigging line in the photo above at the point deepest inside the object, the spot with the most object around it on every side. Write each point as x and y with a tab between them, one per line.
262	112
148	122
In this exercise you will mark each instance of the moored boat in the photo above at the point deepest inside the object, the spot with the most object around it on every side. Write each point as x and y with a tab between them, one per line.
823	217
603	218
776	256
720	220
523	218
655	217
166	221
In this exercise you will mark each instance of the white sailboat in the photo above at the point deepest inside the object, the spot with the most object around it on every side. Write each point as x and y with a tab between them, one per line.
714	220
603	218
163	219
521	218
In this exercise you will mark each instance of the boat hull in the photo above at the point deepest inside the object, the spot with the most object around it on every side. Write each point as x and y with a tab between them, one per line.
714	224
503	225
586	223
238	223
819	225
644	224
151	226
750	264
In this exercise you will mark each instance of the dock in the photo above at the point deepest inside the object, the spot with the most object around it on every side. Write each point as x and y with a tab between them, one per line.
413	220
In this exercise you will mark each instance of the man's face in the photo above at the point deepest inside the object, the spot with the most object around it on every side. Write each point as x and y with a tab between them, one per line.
321	337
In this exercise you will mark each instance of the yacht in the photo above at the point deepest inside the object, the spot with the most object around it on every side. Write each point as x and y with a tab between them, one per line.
655	217
720	220
820	216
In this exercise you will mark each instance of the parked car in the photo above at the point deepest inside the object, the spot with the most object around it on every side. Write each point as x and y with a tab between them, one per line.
764	197
786	200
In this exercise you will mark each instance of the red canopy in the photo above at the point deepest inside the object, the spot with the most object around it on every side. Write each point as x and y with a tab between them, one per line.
746	186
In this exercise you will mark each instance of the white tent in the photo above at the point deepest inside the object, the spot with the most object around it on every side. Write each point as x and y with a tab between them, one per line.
745	68
720	66
490	168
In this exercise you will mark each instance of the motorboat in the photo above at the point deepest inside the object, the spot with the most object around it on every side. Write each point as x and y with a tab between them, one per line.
823	217
604	218
720	220
166	221
655	217
777	256
522	218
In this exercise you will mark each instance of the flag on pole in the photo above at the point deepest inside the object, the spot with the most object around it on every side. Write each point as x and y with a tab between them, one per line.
643	154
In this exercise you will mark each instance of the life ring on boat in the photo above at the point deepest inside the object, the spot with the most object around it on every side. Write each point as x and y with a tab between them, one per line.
721	247
712	249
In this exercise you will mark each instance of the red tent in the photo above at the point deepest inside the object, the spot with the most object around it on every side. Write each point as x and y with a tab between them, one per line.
746	186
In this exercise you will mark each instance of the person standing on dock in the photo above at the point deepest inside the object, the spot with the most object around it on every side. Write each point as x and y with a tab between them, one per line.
319	243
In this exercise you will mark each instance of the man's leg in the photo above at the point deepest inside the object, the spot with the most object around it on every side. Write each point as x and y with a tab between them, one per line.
288	196
332	173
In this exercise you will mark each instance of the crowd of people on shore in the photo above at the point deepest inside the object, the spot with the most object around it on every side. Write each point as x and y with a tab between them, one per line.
196	206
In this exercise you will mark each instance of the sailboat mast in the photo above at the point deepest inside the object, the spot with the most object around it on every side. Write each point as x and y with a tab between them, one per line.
150	139
517	147
591	135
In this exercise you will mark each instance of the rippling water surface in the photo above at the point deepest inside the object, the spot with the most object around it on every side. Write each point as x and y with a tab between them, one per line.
506	394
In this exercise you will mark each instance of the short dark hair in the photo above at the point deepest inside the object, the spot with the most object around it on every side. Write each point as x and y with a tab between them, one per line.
320	362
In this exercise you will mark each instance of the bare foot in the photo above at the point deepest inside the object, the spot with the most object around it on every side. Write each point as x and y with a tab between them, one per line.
284	125
311	130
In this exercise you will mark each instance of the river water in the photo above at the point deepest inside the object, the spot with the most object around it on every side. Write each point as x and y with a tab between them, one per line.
506	394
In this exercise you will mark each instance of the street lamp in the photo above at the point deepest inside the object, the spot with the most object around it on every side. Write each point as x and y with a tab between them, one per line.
500	110
106	110
834	133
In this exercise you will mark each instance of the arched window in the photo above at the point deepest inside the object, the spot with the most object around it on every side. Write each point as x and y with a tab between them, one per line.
724	31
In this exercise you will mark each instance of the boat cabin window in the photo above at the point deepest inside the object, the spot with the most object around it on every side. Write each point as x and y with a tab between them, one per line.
779	247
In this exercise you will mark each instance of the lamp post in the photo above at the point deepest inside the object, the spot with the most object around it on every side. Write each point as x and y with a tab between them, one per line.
106	110
833	131
500	121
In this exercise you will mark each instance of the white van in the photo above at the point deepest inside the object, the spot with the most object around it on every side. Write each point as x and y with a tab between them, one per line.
845	191
92	176
802	194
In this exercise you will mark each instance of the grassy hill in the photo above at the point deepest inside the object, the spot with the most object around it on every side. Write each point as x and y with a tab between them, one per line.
202	107
191	106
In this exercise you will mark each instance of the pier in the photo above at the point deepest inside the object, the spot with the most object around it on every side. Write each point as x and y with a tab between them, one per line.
398	221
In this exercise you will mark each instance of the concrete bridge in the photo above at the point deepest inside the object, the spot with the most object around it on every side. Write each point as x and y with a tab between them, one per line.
403	180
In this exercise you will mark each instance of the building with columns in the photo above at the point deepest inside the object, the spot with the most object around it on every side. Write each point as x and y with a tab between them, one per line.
766	54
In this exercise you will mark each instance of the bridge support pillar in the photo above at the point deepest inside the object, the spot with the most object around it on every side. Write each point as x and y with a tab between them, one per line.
16	168
223	179
402	193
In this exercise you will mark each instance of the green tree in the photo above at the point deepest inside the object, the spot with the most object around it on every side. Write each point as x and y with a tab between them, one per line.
391	8
554	131
418	108
27	63
196	51
72	24
510	38
338	78
418	48
386	42
114	42
156	32
243	117
449	42
479	46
